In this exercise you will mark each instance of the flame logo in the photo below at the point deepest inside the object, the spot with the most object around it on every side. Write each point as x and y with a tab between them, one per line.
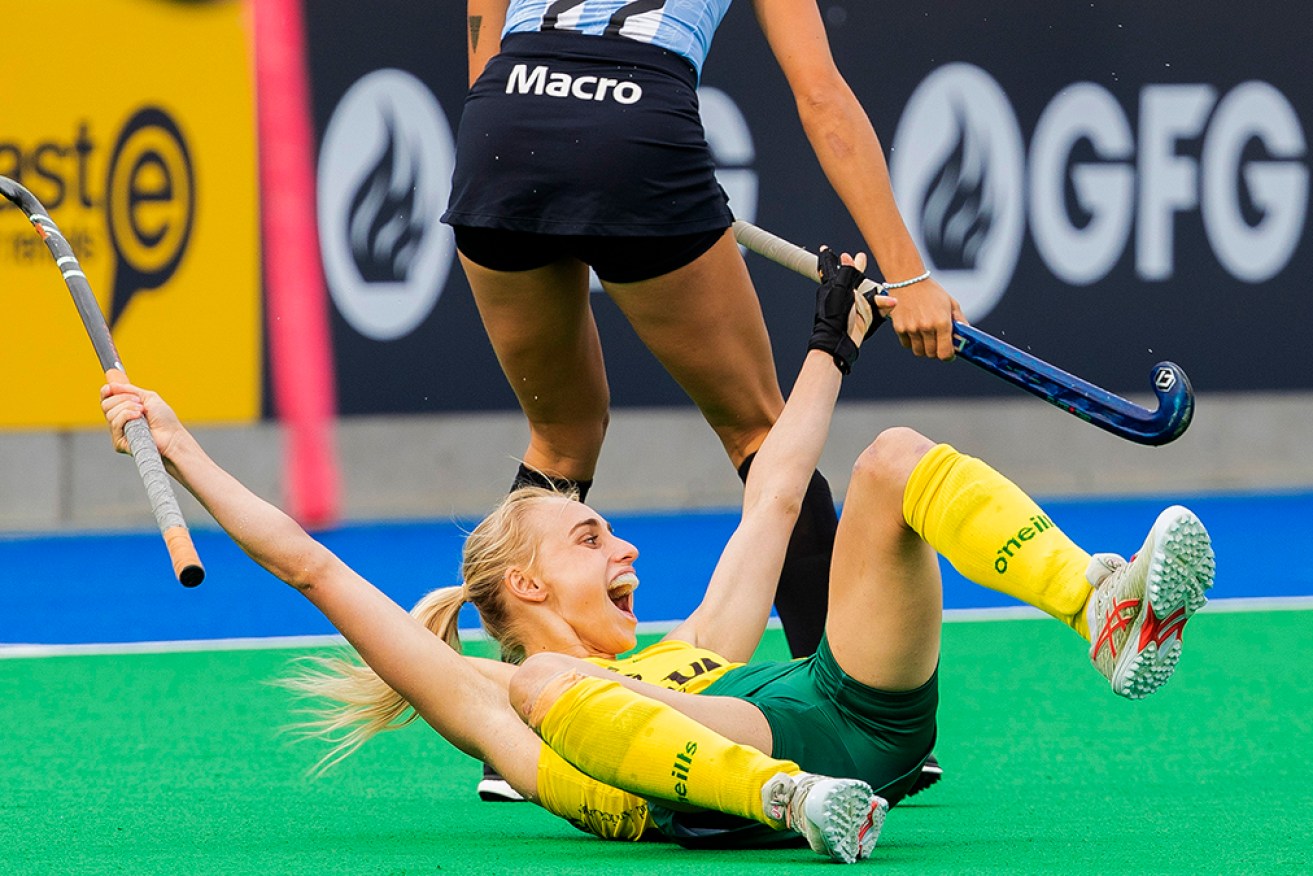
955	216
385	224
958	166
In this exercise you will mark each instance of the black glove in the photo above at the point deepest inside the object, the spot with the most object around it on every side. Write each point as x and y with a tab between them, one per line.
834	299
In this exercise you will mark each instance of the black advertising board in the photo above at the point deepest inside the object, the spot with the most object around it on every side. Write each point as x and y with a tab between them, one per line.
1105	185
387	80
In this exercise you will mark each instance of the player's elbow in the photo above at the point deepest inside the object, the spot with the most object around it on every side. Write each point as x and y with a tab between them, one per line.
306	564
823	95
539	682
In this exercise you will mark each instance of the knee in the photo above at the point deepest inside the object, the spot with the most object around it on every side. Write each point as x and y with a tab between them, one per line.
539	682
888	461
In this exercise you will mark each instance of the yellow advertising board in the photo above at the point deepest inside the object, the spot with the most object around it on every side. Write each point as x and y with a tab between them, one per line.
133	121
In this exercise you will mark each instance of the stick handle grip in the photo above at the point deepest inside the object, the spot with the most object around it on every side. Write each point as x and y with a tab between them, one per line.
186	563
783	252
775	248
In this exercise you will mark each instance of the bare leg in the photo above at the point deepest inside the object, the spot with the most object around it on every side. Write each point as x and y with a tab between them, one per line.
703	322
886	601
541	327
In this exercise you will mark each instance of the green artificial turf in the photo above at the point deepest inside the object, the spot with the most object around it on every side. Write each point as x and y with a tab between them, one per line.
174	764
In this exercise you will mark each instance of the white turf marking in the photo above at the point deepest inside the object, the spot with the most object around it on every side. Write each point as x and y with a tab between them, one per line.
269	643
246	644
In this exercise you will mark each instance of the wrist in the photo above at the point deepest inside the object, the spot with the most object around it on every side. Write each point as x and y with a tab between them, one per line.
841	354
181	450
890	285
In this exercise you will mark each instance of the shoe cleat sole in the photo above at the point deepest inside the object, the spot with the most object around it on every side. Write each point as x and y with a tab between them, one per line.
1180	573
851	818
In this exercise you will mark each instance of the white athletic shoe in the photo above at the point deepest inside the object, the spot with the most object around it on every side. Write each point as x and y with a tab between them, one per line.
1135	642
493	788
841	818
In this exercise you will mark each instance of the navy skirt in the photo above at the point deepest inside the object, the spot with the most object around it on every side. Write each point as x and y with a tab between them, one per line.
574	134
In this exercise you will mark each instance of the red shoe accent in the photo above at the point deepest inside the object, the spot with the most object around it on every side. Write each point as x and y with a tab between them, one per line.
1116	620
1160	632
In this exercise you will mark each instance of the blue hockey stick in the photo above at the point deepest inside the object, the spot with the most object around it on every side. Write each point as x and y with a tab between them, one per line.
1074	395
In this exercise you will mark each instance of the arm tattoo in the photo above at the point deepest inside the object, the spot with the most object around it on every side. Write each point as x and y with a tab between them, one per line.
476	24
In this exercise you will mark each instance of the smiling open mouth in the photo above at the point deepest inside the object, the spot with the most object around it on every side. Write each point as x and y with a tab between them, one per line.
621	592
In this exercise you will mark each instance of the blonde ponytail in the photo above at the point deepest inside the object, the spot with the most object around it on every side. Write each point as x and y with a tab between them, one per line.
359	703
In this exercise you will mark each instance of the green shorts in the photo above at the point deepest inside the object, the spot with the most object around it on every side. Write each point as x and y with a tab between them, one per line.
827	722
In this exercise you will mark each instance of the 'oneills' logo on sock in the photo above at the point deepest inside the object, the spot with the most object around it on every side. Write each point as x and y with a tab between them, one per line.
1017	542
681	768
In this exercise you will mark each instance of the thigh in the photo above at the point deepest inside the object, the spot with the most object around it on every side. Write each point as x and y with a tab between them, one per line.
886	599
828	722
704	324
541	327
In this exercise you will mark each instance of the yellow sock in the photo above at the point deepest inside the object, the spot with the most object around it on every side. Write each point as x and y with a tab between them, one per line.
647	748
588	804
996	535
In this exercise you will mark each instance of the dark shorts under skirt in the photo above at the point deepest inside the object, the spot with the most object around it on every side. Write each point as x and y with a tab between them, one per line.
626	259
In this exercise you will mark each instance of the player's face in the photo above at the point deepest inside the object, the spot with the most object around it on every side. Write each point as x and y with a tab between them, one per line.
589	575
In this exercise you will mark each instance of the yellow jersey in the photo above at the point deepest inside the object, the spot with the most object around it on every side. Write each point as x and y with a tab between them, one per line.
600	809
671	664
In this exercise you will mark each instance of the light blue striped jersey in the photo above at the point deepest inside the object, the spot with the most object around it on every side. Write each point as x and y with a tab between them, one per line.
684	27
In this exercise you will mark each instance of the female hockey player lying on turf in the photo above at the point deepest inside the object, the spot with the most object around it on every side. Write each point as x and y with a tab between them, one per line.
675	738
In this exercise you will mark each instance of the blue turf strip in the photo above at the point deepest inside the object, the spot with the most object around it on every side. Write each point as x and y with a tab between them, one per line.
81	588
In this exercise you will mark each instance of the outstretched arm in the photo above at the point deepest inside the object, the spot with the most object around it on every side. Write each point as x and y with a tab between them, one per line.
463	700
849	152
733	613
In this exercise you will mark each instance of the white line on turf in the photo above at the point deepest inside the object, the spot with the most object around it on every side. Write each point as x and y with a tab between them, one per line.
955	615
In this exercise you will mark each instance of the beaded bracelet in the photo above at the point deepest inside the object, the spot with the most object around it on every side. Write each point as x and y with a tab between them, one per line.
885	287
